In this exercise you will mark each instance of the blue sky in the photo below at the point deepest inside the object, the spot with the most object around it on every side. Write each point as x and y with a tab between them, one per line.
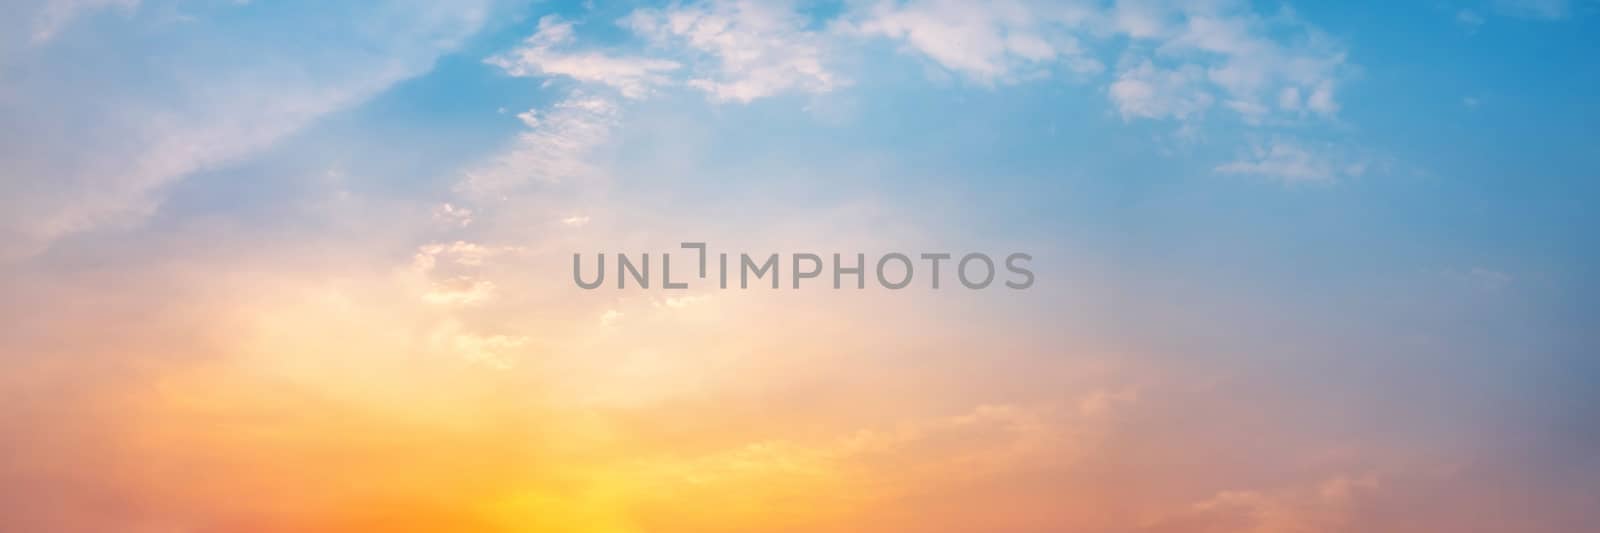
1455	140
1377	215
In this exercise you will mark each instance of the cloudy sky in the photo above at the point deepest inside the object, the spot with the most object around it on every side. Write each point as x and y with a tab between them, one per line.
306	266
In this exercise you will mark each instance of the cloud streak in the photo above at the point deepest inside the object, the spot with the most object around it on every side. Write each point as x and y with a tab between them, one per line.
180	124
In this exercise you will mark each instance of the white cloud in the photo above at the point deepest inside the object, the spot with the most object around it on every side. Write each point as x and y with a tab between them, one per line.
1251	66
553	149
1249	61
1145	91
1139	19
987	42
447	272
634	77
452	215
1321	100
459	252
751	49
1292	162
1289	99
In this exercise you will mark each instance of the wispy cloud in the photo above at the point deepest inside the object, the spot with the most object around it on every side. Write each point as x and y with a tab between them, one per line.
633	76
987	42
1294	162
451	215
746	50
438	356
1180	58
555	147
1146	91
196	111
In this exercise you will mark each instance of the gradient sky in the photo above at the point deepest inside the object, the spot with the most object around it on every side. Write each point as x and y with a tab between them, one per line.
304	266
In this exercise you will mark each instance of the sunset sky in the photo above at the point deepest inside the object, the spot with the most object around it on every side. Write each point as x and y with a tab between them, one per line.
305	266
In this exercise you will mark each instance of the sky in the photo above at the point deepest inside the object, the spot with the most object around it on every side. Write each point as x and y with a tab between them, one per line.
306	266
